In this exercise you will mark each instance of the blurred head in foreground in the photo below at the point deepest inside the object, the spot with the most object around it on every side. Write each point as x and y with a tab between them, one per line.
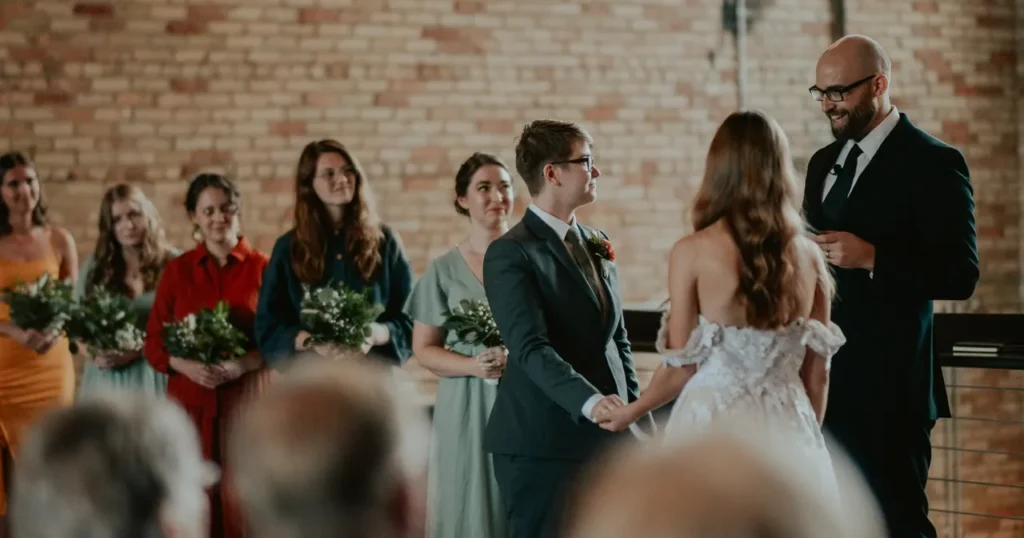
335	448
719	486
123	465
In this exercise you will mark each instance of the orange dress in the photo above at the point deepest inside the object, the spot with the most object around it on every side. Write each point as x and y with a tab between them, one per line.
30	384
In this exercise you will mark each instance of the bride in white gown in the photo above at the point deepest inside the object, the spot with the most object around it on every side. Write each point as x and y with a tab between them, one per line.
747	336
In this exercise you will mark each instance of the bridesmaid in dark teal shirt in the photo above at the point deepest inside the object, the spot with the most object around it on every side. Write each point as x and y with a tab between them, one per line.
337	237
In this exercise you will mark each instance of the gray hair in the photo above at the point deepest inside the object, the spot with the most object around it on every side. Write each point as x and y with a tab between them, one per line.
115	466
328	450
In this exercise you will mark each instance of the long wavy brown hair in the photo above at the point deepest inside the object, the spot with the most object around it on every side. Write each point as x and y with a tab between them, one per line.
110	268
360	222
749	183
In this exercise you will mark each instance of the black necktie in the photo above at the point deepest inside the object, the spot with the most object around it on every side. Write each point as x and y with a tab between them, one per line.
833	204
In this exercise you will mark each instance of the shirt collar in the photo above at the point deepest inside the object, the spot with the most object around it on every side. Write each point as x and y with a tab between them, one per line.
553	222
241	251
870	144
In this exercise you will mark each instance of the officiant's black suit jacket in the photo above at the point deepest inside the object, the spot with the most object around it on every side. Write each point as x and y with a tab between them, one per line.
552	325
914	203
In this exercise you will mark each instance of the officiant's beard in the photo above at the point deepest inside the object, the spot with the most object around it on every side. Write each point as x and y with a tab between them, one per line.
857	121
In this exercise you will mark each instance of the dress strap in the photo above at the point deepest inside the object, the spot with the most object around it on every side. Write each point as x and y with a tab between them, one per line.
697	349
824	340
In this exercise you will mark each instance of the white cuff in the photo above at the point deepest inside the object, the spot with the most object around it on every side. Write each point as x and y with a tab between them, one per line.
588	406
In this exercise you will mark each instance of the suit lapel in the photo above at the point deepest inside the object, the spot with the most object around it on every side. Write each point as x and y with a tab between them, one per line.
872	173
559	250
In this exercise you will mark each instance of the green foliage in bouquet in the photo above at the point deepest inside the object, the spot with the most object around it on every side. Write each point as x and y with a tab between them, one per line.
42	305
337	315
207	337
473	323
105	322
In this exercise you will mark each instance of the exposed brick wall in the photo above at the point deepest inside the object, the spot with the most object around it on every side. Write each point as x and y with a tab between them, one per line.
155	90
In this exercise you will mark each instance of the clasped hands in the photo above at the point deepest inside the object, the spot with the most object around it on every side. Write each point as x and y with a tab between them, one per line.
212	376
379	335
612	414
38	341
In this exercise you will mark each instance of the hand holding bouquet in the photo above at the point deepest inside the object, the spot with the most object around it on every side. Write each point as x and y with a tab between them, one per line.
40	309
473	323
207	337
336	316
105	323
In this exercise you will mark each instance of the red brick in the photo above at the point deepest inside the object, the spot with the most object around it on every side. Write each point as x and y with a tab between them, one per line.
278	186
94	9
210	157
188	27
933	60
926	7
179	85
1004	58
288	128
470	6
52	97
600	113
491	126
207	13
391	99
956	132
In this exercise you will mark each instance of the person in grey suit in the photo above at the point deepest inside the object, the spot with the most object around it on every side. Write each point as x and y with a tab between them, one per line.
552	285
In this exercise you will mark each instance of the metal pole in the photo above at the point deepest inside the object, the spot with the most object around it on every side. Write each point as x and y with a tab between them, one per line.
741	52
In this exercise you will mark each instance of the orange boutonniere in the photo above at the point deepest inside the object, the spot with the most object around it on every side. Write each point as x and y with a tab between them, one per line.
600	247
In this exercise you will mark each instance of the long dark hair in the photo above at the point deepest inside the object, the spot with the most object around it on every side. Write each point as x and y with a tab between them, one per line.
363	233
8	162
110	268
749	182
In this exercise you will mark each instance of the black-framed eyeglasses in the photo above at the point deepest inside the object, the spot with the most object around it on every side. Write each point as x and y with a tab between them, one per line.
836	93
587	162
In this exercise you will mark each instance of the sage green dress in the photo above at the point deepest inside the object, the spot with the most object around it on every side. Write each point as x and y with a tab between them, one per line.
136	375
463	498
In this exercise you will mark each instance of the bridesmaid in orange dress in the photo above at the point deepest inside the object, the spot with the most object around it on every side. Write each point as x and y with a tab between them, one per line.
36	372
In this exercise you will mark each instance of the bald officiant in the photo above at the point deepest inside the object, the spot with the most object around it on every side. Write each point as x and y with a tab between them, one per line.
892	208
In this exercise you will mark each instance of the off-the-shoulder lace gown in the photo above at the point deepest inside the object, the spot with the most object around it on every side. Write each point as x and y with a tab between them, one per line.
753	375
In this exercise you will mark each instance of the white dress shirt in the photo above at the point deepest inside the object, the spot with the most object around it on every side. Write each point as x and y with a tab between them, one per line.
869	147
561	228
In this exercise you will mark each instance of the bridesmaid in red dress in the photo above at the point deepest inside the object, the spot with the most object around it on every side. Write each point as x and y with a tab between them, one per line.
222	267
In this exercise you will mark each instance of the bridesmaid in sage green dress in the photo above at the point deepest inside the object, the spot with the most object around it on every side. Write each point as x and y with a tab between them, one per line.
130	255
463	498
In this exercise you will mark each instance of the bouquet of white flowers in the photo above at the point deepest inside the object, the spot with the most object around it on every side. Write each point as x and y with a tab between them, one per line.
43	305
105	323
336	315
473	323
207	337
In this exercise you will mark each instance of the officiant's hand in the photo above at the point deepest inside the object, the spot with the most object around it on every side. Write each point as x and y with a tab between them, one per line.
845	250
618	419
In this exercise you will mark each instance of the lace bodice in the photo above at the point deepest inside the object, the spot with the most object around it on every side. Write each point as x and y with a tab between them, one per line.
753	351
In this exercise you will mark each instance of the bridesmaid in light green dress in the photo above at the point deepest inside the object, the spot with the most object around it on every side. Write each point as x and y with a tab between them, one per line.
130	254
463	498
